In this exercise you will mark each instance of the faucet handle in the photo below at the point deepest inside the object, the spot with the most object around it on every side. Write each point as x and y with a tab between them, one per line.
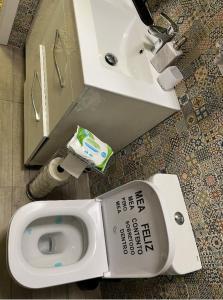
157	31
173	29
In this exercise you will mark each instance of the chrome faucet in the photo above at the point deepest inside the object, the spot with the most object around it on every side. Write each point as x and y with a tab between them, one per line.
163	34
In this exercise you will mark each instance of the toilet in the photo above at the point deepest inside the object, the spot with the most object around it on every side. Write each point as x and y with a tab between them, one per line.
138	230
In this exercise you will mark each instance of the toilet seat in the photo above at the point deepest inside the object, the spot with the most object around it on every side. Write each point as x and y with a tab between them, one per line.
94	262
131	233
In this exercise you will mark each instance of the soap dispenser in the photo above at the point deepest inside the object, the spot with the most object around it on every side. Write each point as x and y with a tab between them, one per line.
168	54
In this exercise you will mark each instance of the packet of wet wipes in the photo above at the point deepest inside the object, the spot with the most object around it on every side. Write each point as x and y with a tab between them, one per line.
85	144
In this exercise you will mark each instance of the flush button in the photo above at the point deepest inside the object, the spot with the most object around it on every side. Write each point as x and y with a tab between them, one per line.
179	218
111	59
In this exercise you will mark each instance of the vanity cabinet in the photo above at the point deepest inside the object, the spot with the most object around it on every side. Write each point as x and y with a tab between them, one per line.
68	83
54	77
64	75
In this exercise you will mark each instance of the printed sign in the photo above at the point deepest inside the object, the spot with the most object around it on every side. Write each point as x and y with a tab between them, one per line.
135	236
134	229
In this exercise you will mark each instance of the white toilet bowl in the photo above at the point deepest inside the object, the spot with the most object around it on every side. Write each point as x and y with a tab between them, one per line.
56	242
140	229
65	242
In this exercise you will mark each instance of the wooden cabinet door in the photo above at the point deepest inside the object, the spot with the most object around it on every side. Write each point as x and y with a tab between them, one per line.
39	27
55	29
73	50
35	106
58	66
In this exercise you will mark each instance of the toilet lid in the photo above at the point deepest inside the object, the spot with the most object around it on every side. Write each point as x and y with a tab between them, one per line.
138	231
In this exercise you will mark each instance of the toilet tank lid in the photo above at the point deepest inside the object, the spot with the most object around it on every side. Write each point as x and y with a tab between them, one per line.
138	232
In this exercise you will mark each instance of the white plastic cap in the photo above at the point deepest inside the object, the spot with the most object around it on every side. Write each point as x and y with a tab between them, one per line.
169	78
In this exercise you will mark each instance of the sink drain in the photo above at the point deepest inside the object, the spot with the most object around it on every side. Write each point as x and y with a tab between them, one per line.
111	59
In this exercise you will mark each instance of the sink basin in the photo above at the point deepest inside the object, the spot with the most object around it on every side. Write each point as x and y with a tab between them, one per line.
108	26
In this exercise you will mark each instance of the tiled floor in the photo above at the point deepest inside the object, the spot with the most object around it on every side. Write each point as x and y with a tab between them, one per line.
24	16
13	176
189	144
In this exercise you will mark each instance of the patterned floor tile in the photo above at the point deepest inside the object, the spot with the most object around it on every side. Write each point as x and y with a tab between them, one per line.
190	144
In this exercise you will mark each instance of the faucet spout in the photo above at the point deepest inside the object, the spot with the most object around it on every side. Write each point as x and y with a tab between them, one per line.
163	35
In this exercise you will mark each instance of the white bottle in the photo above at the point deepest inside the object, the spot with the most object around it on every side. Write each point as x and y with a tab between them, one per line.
167	55
169	78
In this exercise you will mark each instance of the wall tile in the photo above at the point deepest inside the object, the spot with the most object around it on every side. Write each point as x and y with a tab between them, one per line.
18	75
20	173
6	143
6	73
5	215
22	23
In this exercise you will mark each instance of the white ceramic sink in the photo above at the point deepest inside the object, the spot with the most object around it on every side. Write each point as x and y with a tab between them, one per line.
113	26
